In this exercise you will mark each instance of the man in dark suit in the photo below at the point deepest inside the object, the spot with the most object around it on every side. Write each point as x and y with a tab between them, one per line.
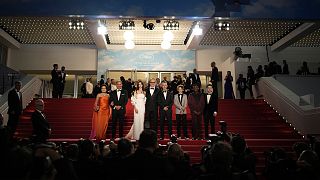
214	76
165	102
151	114
41	127
15	106
55	80
196	78
210	110
118	101
62	80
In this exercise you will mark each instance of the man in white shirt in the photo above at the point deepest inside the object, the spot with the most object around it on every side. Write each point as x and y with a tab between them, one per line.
89	88
210	110
151	113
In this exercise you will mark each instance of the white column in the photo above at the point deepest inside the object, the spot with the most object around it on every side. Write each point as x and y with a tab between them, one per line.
75	86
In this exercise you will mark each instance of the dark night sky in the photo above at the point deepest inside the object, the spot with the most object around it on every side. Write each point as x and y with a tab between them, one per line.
282	9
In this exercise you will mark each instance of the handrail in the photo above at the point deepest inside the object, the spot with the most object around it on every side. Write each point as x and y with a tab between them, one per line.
30	86
286	102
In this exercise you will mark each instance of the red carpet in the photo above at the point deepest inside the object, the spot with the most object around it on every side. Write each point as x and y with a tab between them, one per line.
262	127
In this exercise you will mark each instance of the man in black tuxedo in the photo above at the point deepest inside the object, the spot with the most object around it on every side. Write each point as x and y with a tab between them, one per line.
55	80
15	106
62	80
196	78
41	127
214	76
165	102
118	101
151	113
210	109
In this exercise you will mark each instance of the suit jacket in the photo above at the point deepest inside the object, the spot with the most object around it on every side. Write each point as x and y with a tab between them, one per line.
194	80
123	100
179	105
151	102
195	104
41	127
215	74
63	77
212	106
162	102
15	104
55	77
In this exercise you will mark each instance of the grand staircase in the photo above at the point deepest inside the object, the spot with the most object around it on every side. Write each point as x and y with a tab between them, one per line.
262	127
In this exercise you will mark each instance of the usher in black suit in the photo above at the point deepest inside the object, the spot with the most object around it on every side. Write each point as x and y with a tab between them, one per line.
165	102
15	109
151	114
209	109
118	115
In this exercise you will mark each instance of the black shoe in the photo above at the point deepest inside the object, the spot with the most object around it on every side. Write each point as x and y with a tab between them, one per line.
161	138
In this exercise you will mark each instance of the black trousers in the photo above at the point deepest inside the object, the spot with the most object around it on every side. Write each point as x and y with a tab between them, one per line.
208	119
117	116
55	90
151	117
61	89
182	119
242	93
13	122
165	115
196	125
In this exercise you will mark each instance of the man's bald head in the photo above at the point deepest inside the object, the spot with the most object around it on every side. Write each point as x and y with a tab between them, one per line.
39	105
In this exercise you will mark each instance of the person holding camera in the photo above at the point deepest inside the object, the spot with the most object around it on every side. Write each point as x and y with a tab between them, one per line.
101	114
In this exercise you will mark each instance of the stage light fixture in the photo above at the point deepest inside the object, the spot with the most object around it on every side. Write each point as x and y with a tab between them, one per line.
126	25
168	36
76	25
128	35
165	44
170	25
222	26
102	30
149	26
129	44
197	30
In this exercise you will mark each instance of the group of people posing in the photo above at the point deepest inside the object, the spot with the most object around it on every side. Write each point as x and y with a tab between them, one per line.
150	102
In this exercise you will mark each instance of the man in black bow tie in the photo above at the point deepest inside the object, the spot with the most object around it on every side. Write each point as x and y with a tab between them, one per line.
118	101
210	110
151	113
165	102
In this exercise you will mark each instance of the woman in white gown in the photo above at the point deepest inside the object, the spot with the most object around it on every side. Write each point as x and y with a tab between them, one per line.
138	101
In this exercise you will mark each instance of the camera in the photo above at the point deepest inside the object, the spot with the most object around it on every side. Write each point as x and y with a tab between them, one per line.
173	139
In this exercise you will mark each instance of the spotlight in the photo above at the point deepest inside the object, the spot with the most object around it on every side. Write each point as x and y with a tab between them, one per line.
170	25
165	45
128	35
76	24
129	44
168	36
102	30
126	25
149	26
197	30
222	26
